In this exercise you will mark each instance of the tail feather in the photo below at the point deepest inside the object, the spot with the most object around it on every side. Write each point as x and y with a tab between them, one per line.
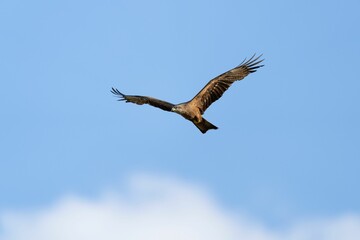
204	125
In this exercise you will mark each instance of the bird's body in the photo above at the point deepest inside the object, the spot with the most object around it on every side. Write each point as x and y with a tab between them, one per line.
195	108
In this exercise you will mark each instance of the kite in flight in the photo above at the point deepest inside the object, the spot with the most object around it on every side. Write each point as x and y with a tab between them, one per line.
194	109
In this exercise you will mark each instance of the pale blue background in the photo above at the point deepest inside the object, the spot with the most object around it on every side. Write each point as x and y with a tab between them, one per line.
288	144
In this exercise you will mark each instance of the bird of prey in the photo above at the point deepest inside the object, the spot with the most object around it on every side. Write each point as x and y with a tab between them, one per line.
194	109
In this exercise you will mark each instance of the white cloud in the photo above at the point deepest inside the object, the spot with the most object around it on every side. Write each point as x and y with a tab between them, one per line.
158	209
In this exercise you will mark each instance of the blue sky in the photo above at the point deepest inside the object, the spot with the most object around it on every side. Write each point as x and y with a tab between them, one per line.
287	147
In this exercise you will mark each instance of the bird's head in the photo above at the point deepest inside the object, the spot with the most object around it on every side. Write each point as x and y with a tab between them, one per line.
174	109
177	109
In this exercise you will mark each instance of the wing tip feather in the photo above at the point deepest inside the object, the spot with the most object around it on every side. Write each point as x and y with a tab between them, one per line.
252	64
117	93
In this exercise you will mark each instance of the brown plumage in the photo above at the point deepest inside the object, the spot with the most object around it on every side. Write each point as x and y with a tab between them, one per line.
195	108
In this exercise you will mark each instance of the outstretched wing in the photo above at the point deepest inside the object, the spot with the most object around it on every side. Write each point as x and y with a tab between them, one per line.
140	100
217	86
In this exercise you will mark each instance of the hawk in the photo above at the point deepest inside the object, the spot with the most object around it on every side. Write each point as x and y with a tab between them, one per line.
194	109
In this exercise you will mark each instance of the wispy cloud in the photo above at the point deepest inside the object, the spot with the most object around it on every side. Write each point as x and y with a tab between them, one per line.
159	209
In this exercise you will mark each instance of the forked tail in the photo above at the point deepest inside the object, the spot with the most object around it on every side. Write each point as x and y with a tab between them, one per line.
204	125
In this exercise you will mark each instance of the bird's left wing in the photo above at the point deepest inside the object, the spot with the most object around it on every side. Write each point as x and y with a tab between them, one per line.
140	100
217	86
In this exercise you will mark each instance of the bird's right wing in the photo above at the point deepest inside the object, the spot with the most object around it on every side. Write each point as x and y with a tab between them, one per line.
217	86
140	100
